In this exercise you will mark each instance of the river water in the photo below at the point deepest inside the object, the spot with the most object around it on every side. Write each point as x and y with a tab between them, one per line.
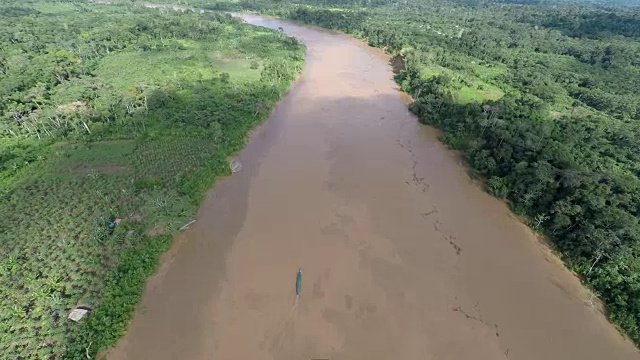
403	255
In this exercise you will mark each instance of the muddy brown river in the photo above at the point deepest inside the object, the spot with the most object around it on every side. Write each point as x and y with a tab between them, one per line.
403	255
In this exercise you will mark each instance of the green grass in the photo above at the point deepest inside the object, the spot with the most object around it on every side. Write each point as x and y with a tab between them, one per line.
427	72
54	7
480	93
159	66
192	61
489	72
170	66
470	88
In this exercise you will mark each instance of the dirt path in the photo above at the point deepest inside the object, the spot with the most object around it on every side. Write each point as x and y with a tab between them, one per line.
403	256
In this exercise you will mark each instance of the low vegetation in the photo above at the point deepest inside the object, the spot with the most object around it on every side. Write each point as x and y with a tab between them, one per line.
113	112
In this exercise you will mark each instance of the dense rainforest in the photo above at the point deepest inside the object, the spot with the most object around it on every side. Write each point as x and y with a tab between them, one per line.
541	97
113	112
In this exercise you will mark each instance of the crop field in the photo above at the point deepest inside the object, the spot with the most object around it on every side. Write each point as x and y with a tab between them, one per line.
139	132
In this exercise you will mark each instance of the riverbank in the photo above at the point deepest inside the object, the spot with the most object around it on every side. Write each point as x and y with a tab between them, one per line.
136	125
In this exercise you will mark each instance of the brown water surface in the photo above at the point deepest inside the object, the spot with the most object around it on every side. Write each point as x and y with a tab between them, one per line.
403	256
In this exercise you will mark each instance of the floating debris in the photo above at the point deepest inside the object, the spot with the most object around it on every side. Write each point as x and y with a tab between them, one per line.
235	166
187	224
77	314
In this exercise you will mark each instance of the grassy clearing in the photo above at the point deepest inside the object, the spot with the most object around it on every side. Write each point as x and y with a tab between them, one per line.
427	72
54	8
140	134
197	62
478	93
468	88
489	72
